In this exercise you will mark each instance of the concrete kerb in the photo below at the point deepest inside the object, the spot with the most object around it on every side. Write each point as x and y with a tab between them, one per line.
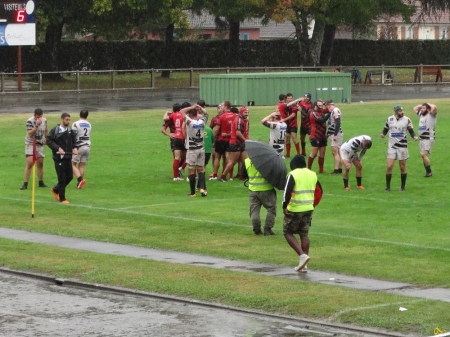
353	282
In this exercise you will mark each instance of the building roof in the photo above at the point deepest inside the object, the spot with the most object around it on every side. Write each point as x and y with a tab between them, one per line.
270	31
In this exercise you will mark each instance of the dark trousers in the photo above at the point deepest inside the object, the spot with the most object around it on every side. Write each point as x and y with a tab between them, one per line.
65	175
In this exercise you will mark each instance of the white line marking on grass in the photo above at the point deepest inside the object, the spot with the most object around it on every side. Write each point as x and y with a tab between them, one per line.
165	204
118	210
167	216
382	241
152	205
341	312
359	197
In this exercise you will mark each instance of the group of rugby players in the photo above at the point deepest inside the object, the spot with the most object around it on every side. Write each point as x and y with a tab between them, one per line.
314	118
230	128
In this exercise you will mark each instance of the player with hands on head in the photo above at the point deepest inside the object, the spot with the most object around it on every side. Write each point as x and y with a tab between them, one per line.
427	113
277	131
353	151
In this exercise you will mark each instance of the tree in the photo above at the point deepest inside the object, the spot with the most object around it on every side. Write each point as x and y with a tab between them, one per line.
433	6
229	14
326	16
111	19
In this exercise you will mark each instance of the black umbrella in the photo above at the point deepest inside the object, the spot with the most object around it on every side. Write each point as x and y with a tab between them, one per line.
267	162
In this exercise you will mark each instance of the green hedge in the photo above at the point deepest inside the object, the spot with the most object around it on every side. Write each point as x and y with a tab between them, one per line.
124	55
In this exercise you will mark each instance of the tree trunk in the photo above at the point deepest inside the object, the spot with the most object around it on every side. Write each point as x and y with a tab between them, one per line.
316	42
301	34
168	51
327	45
53	36
298	37
233	43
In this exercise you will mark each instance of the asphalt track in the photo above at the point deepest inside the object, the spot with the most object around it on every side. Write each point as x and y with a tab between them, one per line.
141	99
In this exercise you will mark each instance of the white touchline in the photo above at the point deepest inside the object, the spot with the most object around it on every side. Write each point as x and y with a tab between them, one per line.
339	313
164	204
119	210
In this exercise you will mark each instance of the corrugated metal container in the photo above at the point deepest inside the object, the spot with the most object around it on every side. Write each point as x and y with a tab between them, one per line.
264	88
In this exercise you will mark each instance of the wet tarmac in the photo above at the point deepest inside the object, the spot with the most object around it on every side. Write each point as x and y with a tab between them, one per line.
141	99
35	306
98	100
400	92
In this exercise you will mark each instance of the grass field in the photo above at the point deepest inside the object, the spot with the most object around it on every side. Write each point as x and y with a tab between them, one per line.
130	198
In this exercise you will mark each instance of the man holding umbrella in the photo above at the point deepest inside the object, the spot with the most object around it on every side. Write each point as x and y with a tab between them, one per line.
264	170
301	194
263	194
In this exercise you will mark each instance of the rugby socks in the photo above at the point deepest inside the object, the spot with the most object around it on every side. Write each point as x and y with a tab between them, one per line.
231	173
428	169
345	182
358	181
310	162
192	183
297	148
388	181
321	160
303	148
202	180
288	150
403	179
80	178
175	165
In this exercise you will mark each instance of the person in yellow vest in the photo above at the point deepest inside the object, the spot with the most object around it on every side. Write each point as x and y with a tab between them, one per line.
301	194
261	194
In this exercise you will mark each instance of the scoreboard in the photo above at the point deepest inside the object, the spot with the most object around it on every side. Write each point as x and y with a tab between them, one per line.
17	23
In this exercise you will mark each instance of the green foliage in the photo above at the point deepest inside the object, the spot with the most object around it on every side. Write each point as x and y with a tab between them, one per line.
122	55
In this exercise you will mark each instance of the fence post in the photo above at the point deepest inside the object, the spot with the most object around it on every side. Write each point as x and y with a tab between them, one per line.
3	82
40	81
191	78
77	76
301	67
382	74
228	70
113	77
421	73
152	78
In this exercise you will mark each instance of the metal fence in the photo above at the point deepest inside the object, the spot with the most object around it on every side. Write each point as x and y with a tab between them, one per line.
190	77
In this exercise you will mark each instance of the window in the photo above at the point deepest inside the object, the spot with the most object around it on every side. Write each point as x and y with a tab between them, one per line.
443	34
427	34
245	36
409	33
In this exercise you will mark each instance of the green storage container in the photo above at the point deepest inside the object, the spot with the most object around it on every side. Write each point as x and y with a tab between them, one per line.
264	88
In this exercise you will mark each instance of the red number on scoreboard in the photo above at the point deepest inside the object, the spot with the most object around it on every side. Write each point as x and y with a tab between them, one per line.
20	16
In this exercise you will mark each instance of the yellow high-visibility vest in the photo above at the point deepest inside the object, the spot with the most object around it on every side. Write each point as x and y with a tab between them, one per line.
302	199
256	182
